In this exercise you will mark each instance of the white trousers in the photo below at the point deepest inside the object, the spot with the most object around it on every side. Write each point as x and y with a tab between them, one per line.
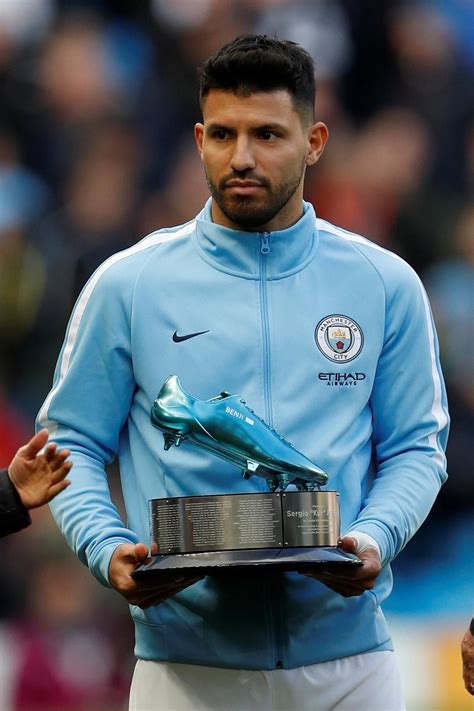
364	682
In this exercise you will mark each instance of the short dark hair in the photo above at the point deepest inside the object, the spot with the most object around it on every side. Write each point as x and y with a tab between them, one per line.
254	63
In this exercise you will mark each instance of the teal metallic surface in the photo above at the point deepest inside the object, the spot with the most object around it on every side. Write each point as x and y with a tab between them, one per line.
228	428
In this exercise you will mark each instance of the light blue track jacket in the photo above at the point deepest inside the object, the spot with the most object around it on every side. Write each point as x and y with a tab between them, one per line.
330	339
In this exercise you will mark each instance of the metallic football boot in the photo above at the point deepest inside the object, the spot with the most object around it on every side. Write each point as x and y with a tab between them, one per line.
227	427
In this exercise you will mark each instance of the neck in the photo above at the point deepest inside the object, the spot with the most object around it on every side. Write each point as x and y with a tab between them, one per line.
288	216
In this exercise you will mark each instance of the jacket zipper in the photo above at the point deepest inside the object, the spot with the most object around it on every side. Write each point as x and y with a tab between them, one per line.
264	252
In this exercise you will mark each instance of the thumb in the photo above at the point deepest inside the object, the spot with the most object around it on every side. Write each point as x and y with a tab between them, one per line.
348	544
130	553
141	552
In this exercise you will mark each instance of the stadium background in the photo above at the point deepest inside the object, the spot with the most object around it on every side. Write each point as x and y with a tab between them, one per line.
97	104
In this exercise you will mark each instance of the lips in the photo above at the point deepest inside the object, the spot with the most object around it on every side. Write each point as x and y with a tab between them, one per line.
243	184
243	187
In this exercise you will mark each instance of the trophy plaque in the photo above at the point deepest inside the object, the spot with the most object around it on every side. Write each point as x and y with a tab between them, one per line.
278	529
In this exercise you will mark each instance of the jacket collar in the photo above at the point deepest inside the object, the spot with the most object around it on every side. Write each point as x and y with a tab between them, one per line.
240	253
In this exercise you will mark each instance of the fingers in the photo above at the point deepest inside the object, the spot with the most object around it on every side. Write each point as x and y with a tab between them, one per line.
346	588
60	466
50	452
467	651
363	575
468	678
353	575
54	458
61	473
139	590
349	581
158	597
143	593
56	489
35	445
125	559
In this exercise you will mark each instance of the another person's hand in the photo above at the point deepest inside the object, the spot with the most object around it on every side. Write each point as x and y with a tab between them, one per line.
127	558
349	581
38	478
467	652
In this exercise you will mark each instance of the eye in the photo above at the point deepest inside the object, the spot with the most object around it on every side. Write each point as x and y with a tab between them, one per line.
267	135
219	134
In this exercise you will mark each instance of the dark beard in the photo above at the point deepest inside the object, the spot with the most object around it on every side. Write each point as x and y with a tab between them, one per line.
243	211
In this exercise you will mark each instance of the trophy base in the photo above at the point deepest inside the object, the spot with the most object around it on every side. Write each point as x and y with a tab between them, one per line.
263	560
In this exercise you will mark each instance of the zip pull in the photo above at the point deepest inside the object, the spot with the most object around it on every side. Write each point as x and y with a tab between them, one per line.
265	247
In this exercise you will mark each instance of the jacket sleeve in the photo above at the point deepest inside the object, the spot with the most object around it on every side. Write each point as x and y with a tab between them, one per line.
410	420
13	515
85	412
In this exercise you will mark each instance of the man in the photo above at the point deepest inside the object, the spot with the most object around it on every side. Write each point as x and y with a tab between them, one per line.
33	478
326	335
467	653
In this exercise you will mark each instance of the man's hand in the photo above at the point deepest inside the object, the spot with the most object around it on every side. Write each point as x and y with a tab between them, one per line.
38	478
467	651
350	581
125	559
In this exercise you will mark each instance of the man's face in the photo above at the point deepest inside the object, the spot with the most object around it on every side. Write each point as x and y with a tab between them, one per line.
255	150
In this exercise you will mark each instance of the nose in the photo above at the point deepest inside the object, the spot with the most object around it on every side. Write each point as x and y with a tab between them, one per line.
242	157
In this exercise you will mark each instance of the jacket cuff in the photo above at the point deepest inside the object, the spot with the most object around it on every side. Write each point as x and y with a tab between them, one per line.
378	534
99	563
364	541
13	514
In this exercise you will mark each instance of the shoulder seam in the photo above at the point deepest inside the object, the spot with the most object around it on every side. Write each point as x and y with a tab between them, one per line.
363	241
346	236
152	240
437	408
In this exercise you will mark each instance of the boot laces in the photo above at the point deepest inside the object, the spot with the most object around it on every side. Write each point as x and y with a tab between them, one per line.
283	439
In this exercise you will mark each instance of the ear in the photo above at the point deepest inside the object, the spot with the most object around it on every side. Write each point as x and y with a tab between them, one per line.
318	135
199	136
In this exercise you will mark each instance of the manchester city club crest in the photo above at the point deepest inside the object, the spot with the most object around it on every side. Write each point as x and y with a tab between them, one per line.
339	338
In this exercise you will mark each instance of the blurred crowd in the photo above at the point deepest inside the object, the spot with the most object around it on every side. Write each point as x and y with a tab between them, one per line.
97	105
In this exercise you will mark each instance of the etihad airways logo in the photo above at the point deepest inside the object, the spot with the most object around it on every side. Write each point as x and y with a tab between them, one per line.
342	379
